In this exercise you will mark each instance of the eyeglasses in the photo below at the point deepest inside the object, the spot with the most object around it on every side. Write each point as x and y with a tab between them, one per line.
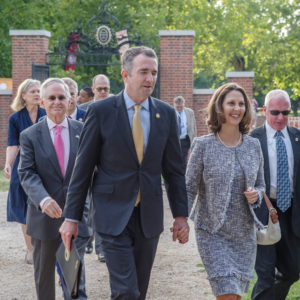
105	89
277	112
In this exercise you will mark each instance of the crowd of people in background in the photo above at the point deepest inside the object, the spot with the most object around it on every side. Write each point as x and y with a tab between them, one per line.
88	164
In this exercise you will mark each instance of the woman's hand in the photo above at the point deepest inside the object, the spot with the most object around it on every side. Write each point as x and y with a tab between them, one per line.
251	195
7	171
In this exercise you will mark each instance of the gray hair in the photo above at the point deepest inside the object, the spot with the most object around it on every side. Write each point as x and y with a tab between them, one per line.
179	100
102	76
71	84
275	93
51	81
129	55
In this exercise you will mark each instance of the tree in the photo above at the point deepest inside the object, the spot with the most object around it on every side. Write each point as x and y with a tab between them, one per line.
231	35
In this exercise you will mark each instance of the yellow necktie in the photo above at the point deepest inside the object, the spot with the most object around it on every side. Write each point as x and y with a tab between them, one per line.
138	138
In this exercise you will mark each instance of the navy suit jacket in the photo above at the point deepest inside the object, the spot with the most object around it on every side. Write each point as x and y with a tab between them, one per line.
262	212
106	142
80	114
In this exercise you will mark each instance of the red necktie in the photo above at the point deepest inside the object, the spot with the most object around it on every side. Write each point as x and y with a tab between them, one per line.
69	117
59	148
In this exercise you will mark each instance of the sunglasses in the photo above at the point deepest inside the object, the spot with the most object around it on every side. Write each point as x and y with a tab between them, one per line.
277	112
99	89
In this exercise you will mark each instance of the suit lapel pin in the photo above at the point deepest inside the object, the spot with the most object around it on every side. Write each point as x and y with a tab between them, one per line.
77	136
157	116
80	119
296	139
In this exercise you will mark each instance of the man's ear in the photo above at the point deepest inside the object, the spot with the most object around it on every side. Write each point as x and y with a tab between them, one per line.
264	109
42	103
124	74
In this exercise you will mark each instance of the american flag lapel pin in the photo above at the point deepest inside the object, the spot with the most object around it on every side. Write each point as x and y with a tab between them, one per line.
157	116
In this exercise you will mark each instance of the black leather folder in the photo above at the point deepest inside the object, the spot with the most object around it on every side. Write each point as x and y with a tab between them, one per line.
70	266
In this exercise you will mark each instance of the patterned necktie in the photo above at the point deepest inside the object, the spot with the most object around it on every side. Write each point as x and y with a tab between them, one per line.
138	138
59	148
283	178
179	125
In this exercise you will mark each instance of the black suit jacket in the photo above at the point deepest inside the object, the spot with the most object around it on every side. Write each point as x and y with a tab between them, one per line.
106	143
41	177
262	212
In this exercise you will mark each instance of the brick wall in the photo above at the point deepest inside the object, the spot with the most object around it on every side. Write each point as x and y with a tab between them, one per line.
176	65
28	47
244	79
5	111
201	98
294	121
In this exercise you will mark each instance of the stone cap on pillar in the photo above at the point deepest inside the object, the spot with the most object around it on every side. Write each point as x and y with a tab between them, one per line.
239	74
30	33
176	32
5	92
203	91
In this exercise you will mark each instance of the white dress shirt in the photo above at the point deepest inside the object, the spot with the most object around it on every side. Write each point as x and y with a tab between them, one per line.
271	142
184	126
74	114
66	138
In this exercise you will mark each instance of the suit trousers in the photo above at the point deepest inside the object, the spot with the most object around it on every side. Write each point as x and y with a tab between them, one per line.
129	258
278	266
44	260
185	146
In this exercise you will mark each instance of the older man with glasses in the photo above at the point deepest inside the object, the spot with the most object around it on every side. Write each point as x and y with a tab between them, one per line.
101	88
278	266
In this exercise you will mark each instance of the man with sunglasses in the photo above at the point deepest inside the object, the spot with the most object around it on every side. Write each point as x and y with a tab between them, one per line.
101	88
278	266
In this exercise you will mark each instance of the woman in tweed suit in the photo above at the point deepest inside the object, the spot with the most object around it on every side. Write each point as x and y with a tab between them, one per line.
225	170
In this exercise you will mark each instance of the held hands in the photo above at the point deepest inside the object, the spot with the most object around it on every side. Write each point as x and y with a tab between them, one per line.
52	209
67	230
180	230
251	195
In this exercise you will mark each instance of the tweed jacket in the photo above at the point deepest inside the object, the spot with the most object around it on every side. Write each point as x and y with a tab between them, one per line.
209	173
191	123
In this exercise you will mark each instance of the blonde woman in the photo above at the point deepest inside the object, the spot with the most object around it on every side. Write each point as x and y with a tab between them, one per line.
27	112
225	170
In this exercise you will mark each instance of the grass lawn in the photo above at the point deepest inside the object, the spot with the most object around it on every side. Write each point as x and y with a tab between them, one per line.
4	183
294	293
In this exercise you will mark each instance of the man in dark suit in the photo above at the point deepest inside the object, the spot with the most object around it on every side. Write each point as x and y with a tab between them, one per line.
132	139
100	88
73	110
48	151
278	266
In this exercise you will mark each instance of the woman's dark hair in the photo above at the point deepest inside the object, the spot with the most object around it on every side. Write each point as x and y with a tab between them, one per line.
215	110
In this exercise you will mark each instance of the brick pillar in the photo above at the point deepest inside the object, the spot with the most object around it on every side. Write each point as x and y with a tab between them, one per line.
201	99
28	47
5	101
176	65
244	79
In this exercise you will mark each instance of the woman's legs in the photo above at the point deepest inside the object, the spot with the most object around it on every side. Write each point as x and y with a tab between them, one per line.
27	239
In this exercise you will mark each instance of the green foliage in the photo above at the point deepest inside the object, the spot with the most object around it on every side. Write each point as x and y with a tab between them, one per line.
231	35
4	183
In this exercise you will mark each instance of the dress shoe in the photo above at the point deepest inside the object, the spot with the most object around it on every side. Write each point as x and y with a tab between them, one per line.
101	258
28	258
88	249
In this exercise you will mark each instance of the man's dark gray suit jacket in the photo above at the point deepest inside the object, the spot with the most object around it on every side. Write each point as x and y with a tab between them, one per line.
41	177
262	212
106	142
